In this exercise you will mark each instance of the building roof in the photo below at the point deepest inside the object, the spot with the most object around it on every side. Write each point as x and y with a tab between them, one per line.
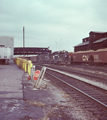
97	32
87	42
81	44
100	40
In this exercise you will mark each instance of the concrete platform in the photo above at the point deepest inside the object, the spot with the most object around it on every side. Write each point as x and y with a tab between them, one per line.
10	81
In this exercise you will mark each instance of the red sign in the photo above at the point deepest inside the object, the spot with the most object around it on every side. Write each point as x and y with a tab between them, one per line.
36	75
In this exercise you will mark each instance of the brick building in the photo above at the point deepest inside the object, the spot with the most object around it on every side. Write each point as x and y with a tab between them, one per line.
95	41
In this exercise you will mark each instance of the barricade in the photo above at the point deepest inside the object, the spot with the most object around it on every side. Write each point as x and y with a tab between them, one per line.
24	65
28	67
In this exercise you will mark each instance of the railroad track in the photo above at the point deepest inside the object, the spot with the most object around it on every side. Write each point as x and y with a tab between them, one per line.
91	67
100	81
92	97
80	72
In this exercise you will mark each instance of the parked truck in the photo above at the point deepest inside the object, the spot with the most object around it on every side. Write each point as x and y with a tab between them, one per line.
6	48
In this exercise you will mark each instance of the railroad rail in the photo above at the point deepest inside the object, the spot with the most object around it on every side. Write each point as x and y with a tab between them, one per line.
80	72
99	68
92	97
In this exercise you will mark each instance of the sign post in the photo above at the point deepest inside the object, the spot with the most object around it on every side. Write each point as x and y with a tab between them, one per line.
39	80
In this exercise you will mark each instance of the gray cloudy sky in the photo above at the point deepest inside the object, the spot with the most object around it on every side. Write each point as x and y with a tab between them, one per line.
59	24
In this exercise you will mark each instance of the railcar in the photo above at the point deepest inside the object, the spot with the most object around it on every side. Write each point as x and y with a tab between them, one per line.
100	56
60	57
40	58
91	57
64	57
46	58
81	57
43	58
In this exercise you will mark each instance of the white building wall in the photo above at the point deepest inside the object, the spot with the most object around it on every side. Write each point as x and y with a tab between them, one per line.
7	42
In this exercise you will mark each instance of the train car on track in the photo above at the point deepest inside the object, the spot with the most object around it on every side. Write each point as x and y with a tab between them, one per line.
100	56
60	57
57	57
81	57
65	57
43	58
91	57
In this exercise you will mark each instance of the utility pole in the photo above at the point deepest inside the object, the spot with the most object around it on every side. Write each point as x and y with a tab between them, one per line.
23	40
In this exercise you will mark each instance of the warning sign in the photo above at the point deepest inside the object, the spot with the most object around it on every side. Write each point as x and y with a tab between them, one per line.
36	75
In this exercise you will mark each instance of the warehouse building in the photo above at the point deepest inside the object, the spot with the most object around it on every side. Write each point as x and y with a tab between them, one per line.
95	41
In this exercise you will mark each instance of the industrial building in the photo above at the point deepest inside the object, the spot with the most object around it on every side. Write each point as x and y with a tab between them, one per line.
95	41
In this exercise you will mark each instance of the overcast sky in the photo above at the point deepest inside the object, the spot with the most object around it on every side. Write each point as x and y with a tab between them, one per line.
59	24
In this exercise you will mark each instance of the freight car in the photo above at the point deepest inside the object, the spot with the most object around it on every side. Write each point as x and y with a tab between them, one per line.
100	56
57	57
65	57
91	57
6	48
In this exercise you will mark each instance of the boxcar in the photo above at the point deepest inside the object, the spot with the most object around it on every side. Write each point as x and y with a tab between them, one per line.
81	57
100	56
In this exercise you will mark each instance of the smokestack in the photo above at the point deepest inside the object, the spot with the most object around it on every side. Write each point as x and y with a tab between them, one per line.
23	40
23	36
